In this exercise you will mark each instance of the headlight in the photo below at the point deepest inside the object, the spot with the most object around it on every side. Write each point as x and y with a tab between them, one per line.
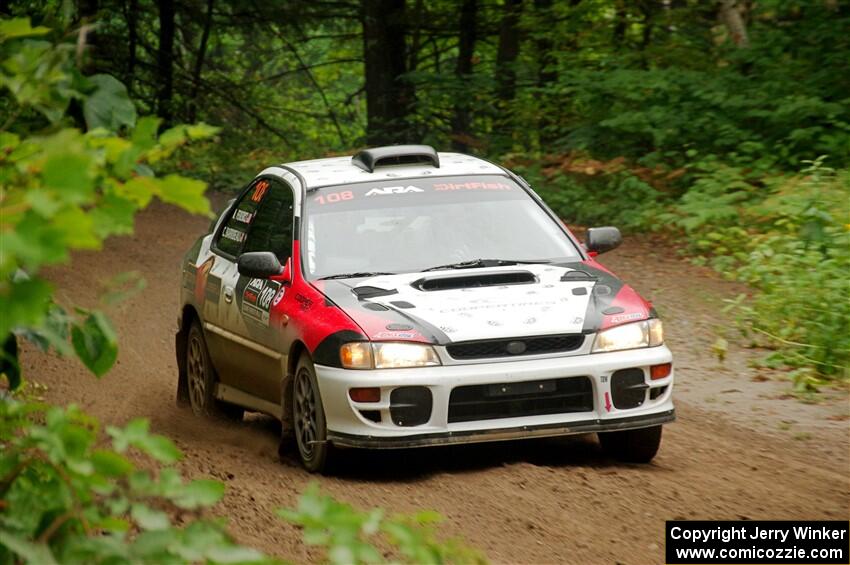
390	355
647	333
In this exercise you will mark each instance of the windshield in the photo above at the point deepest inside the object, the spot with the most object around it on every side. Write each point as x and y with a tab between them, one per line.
410	225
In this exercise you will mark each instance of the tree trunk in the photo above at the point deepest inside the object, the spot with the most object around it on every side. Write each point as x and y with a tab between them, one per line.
462	119
132	42
546	73
416	36
731	17
620	24
165	61
648	10
508	50
87	12
388	95
199	62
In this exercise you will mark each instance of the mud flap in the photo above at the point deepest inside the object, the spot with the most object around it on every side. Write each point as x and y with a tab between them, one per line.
182	383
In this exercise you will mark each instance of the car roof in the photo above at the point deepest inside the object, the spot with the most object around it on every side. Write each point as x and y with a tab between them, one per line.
332	171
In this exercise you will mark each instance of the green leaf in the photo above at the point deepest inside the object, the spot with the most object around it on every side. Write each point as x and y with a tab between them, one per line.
160	448
111	464
114	216
148	518
19	27
36	553
186	193
199	493
136	433
42	202
139	190
144	134
70	175
23	303
201	131
109	106
95	343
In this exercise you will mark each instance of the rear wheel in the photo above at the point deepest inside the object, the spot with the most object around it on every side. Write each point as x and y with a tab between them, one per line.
201	380
632	446
308	417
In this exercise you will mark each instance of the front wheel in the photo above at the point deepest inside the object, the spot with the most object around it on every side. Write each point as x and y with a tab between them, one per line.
632	446
308	415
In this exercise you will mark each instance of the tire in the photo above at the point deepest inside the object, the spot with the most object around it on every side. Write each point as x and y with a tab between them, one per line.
201	380
632	446
308	419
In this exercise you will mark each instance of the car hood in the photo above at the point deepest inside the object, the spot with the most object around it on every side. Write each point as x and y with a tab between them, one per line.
487	303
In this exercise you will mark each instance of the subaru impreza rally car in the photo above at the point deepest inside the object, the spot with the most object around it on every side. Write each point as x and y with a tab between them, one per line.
403	297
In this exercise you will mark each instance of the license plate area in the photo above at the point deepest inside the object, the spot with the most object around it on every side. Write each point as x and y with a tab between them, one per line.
521	389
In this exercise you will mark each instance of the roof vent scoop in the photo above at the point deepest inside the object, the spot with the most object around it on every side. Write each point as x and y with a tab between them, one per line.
370	159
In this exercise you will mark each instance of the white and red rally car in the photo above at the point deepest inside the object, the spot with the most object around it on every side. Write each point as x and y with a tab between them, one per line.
404	297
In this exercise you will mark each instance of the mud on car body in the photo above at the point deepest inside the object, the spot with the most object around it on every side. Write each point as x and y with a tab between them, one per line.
404	297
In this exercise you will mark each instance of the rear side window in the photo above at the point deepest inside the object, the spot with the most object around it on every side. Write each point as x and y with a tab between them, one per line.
235	231
271	226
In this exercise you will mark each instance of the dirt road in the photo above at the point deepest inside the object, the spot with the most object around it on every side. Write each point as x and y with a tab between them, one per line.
741	448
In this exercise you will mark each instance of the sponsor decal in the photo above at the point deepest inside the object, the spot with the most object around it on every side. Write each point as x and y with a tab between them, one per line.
383	191
472	186
233	234
394	335
244	216
620	318
260	191
279	296
303	301
334	197
257	300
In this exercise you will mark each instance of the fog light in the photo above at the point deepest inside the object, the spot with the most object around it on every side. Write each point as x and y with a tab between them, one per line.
370	394
660	371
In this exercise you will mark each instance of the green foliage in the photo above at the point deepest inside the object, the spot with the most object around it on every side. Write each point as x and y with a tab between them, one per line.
64	189
619	198
71	496
788	236
353	536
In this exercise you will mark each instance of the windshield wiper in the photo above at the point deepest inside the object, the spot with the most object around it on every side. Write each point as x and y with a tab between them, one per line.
474	263
352	275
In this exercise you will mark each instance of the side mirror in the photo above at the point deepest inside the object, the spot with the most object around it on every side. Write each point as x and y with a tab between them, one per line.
259	265
285	277
600	240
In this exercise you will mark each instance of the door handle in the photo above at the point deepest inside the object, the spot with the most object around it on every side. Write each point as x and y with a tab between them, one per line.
228	294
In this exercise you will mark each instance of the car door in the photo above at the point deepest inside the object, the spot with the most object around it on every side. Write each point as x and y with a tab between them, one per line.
251	357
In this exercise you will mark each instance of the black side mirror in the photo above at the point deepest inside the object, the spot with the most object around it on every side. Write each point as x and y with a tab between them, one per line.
600	240
259	264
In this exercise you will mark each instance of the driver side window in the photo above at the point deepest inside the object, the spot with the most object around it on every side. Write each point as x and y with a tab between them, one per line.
261	221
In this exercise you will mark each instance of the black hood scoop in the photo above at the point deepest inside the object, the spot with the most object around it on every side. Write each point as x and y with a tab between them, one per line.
366	292
453	282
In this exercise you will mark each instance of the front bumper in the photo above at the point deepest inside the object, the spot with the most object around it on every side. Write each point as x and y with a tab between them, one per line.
348	426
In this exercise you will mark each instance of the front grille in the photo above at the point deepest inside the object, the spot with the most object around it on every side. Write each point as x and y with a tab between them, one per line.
511	347
513	400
